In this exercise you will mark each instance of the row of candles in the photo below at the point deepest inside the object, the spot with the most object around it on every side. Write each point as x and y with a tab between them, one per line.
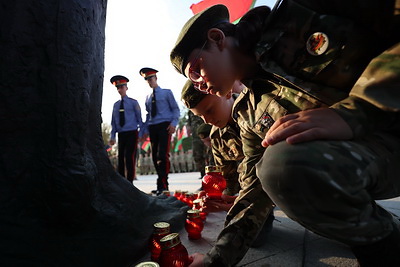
166	248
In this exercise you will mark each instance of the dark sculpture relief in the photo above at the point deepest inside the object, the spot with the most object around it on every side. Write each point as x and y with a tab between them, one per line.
61	202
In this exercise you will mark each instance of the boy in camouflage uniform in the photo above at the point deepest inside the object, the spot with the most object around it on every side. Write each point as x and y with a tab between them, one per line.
252	208
323	80
225	141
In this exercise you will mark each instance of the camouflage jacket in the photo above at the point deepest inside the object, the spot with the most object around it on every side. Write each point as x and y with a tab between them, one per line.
227	151
347	58
252	112
251	208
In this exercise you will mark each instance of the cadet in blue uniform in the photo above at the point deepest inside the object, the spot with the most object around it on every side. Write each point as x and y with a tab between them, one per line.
126	120
161	120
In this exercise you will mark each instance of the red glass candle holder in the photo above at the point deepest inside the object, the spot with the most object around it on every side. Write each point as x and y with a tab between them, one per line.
183	193
161	229
184	198
197	205
178	194
213	182
173	253
194	224
188	199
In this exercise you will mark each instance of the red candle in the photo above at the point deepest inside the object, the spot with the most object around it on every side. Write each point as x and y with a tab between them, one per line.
177	194
198	206
161	229
194	224
213	182
173	253
183	193
188	199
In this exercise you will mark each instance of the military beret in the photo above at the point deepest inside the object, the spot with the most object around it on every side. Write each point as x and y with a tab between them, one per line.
203	130
190	96
194	33
147	72
119	80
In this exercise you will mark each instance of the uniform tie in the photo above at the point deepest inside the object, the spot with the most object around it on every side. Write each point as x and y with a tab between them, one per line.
121	113
153	105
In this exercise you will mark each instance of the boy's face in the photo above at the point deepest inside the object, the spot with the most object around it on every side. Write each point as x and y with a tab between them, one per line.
122	90
215	110
214	66
152	81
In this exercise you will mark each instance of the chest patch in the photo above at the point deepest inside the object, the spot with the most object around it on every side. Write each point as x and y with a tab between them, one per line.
233	152
317	43
265	122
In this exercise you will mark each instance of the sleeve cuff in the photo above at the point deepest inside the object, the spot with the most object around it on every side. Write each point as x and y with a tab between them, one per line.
361	116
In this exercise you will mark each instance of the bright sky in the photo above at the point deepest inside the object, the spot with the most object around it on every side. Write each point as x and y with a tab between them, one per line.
141	34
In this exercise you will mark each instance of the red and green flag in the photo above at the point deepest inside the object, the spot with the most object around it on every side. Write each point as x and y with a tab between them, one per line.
237	8
146	144
181	134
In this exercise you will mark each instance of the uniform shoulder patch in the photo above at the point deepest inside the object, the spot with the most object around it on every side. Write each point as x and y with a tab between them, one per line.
317	43
265	122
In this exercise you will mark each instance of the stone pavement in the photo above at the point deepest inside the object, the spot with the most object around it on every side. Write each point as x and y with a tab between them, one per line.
288	245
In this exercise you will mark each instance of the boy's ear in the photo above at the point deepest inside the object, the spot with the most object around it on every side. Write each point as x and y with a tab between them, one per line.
217	36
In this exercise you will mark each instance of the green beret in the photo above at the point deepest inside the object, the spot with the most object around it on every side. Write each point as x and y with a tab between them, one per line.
203	130
194	33
190	96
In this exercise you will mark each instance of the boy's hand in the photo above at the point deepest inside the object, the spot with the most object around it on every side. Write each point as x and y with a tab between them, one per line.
308	125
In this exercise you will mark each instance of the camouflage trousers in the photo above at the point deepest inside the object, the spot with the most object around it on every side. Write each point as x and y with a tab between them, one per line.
330	187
